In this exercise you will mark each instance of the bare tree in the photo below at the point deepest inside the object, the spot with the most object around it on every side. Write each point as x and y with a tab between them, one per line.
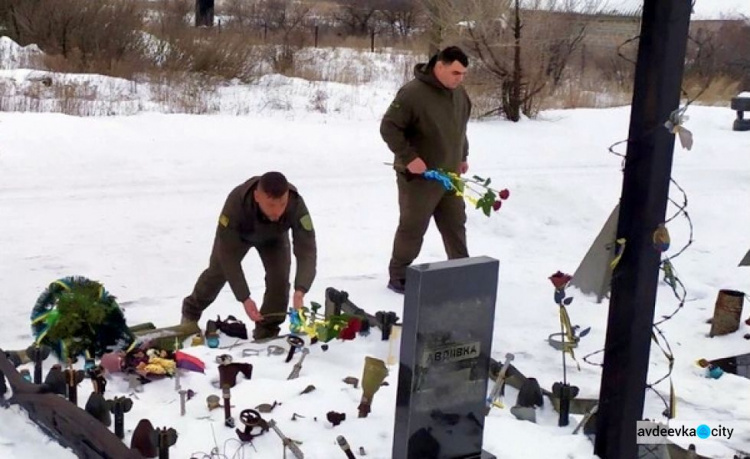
172	14
88	34
701	64
359	17
401	16
564	41
521	46
15	17
108	33
241	12
39	22
286	18
732	52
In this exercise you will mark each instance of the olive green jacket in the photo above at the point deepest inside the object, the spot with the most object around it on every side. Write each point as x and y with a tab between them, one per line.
242	225
427	120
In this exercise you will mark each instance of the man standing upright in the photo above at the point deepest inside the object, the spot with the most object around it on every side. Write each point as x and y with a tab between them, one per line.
425	128
259	213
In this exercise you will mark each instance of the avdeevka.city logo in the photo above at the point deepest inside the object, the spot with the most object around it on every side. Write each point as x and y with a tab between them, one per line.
703	431
648	432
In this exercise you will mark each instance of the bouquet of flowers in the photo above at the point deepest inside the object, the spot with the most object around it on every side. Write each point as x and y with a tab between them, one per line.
310	322
476	190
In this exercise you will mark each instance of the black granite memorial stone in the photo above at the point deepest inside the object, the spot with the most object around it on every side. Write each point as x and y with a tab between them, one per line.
738	365
449	310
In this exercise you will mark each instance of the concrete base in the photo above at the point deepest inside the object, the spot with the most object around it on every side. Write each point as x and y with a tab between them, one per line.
741	125
741	105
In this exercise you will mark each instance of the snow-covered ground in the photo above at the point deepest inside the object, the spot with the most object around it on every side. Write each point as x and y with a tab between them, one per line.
133	201
371	80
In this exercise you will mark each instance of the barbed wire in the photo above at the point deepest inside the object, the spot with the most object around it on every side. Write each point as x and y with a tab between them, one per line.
670	277
239	453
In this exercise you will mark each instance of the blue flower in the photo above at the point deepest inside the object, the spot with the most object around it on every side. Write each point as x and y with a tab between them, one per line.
440	177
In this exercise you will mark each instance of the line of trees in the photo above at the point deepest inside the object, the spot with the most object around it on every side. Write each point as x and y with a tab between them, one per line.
522	52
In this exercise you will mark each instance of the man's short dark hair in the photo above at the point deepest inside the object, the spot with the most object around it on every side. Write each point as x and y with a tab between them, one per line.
273	184
451	54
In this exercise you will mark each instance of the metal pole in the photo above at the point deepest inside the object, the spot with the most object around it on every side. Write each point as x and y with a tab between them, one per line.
204	13
648	165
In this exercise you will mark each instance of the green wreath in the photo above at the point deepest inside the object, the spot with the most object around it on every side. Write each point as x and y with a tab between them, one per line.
77	316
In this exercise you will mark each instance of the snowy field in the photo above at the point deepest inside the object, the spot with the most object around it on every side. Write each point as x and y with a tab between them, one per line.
133	201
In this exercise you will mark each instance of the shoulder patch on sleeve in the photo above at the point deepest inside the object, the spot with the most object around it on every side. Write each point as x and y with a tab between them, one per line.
224	220
306	222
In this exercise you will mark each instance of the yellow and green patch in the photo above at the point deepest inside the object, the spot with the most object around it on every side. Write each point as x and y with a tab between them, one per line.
306	222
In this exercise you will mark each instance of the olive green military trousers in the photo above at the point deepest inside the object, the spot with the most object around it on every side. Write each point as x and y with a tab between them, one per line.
276	259
419	200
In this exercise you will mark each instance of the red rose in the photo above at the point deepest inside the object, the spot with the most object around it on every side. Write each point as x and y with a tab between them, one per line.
504	194
496	205
350	332
560	280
